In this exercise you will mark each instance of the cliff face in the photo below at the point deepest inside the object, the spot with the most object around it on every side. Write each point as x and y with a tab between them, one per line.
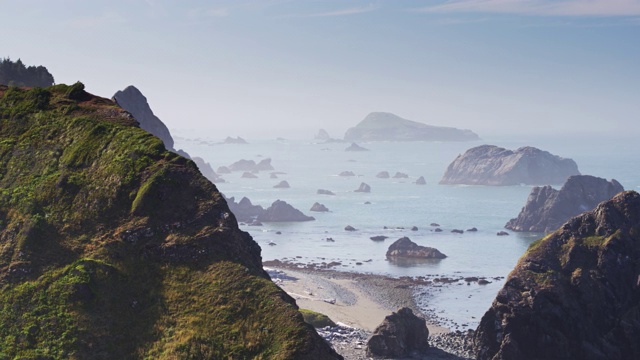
381	126
546	208
492	165
112	247
575	294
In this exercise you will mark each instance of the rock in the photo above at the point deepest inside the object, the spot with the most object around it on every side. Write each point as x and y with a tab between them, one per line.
457	231
483	282
248	175
237	140
363	188
434	224
492	165
325	192
355	147
206	170
224	170
401	334
502	233
574	294
437	230
322	135
473	229
383	175
400	175
282	185
273	176
381	126
244	210
367	202
250	165
319	207
414	228
350	228
421	181
280	211
547	209
347	173
405	248
378	238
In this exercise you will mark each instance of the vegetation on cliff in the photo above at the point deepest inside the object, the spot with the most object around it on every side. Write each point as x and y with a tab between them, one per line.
112	247
17	74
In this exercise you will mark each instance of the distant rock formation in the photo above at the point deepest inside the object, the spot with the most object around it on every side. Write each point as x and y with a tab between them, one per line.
250	165
400	335
349	228
381	126
574	294
282	185
249	175
224	170
492	165
502	233
273	176
421	181
325	192
237	140
355	147
322	135
405	248
207	170
318	207
383	175
400	175
347	173
547	209
244	210
280	211
132	100
365	188
379	238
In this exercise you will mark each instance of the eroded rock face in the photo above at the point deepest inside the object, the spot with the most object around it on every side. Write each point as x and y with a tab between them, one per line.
250	165
421	181
363	188
492	165
244	210
319	207
280	211
575	294
401	334
547	208
282	185
405	248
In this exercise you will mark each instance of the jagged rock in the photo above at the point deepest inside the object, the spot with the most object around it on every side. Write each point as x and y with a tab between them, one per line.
355	147
282	185
434	224
437	230
574	294
383	175
207	170
473	229
502	233
223	170
381	126
264	165
250	165
248	175
379	238
546	208
322	135
350	228
318	207
363	188
405	248
414	228
401	334
421	181
325	192
280	211
237	140
244	210
492	165
457	231
347	173
400	175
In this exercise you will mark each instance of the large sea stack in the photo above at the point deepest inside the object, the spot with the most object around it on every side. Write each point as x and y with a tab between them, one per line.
575	294
492	165
112	247
382	126
547	208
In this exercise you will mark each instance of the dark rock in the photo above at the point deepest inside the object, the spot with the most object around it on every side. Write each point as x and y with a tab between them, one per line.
434	224
457	231
318	207
575	294
237	140
383	175
250	165
401	334
437	230
322	135
248	175
280	211
355	147
378	238
349	228
282	185
492	165
414	228
483	282
244	210
547	209
473	229
325	192
380	126
400	175
367	202
206	170
363	188
347	173
421	181
502	233
330	239
405	248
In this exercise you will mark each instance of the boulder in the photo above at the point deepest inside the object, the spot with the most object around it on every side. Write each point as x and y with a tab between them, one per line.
502	233
405	248
347	173
355	147
401	334
574	294
473	229
457	231
414	228
280	211
437	230
363	188
434	224
381	126
282	185
318	207
349	228
325	192
492	165
379	238
400	175
546	208
383	175
421	181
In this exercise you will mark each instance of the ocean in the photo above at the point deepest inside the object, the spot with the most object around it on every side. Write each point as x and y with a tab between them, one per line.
400	204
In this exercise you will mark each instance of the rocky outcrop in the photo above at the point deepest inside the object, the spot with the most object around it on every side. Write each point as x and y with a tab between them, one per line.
236	140
575	294
400	175
249	175
400	335
381	126
347	173
365	188
280	211
492	165
383	175
207	170
355	147
244	210
318	207
421	181
282	185
251	166
546	208
325	192
405	248
322	135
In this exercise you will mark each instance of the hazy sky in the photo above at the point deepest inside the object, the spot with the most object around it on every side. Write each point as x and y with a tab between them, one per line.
268	68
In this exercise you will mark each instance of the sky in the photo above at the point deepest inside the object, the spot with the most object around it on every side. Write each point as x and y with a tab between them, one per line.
286	68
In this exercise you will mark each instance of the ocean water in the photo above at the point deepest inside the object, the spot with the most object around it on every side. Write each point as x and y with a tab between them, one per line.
400	204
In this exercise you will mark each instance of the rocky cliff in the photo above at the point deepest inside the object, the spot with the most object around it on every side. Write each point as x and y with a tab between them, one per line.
381	126
546	208
112	247
575	294
492	165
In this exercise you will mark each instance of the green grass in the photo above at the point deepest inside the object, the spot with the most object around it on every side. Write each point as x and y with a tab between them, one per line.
316	319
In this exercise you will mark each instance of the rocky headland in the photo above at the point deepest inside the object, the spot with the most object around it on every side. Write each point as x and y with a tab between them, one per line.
547	208
493	165
405	248
280	211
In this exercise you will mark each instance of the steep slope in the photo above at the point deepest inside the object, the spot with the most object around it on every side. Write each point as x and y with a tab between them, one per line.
575	294
546	208
112	247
